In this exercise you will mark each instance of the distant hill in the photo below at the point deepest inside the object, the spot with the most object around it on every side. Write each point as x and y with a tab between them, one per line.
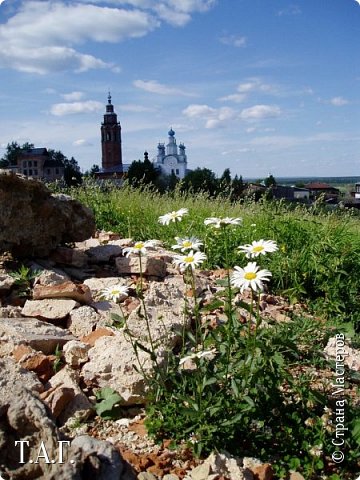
329	180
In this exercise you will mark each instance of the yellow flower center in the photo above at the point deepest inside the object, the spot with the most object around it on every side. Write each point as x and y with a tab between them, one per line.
189	259
250	276
139	245
259	248
186	243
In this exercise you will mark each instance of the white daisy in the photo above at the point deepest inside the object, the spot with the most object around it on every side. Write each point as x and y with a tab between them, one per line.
316	450
201	354
114	293
257	248
187	243
173	216
249	277
191	260
139	248
222	222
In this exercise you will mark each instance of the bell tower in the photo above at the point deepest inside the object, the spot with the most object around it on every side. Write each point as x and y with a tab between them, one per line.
111	141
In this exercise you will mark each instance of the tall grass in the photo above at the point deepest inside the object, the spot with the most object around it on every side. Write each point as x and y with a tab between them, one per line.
319	257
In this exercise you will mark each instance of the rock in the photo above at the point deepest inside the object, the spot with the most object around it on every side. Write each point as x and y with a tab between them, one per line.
146	476
263	472
296	476
30	331
34	361
200	472
11	374
61	383
170	476
6	282
96	334
49	309
112	359
24	417
104	253
82	321
51	277
225	465
70	257
46	220
150	266
349	356
76	353
10	311
79	292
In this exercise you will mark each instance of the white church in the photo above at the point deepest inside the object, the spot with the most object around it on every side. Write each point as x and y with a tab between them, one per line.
171	159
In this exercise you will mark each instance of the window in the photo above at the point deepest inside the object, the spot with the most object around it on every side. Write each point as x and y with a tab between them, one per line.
30	172
108	138
57	171
25	172
48	171
35	163
35	172
29	163
172	170
177	171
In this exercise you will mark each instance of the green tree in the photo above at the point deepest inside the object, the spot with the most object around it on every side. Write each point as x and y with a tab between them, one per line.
237	187
201	180
270	181
13	150
142	172
72	173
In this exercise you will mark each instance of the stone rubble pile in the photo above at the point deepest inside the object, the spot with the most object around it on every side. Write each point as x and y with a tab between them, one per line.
61	344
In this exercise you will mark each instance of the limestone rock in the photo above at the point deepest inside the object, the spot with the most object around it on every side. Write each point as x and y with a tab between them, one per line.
46	220
221	464
96	334
30	331
350	356
6	282
150	266
51	277
79	292
49	309
64	381
103	253
82	321
71	257
11	374
76	353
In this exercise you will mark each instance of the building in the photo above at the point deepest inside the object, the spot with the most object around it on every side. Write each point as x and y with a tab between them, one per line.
111	149
37	163
317	188
171	159
290	193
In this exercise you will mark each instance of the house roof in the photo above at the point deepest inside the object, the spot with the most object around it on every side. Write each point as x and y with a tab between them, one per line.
319	186
35	151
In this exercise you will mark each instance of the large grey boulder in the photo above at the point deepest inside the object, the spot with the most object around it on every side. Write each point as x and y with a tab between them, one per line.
34	222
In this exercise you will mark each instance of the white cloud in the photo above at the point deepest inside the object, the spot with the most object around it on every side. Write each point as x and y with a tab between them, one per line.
81	142
233	40
41	36
152	86
213	117
73	96
260	112
61	109
235	97
339	101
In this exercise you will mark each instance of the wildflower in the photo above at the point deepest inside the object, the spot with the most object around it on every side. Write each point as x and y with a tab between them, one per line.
250	277
173	216
191	260
310	422
222	222
257	248
316	450
139	248
188	243
114	293
201	354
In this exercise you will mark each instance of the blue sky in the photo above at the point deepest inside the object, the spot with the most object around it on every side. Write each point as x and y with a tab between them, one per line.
257	86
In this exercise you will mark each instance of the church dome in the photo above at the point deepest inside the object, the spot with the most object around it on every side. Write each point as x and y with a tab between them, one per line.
171	132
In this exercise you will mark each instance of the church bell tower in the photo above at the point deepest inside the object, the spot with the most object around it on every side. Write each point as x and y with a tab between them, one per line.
111	141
